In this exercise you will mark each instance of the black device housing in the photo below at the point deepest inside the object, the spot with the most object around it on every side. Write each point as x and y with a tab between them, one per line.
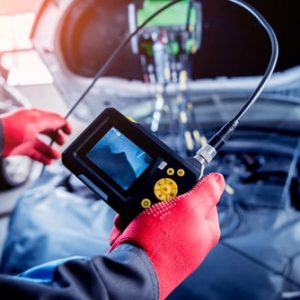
128	203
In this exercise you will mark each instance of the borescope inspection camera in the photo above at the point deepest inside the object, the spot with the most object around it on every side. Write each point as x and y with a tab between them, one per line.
127	166
131	169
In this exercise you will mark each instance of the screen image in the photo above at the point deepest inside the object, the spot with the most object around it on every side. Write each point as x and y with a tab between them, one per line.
119	158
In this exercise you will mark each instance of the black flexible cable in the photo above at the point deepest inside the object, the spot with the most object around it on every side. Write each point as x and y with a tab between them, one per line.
110	60
272	62
219	139
116	52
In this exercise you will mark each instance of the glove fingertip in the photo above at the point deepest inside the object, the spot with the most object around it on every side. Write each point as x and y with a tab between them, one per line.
67	128
219	179
212	185
216	183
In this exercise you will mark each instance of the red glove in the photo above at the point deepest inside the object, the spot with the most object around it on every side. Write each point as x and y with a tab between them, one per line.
21	128
178	234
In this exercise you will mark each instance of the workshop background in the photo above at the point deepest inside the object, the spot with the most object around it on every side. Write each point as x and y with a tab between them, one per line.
49	53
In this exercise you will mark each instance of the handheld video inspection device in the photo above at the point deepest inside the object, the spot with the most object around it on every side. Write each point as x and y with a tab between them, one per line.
131	169
127	166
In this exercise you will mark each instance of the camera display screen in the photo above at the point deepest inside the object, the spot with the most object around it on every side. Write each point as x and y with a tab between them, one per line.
119	158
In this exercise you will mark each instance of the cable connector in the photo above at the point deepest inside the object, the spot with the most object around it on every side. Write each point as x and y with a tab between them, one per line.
207	152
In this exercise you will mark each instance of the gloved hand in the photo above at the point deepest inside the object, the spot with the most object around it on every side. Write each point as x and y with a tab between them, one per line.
178	234
21	129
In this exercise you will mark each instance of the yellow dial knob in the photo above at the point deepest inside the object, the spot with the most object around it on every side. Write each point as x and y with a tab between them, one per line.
165	189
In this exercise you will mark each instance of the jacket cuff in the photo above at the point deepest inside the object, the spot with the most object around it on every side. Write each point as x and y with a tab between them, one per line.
139	259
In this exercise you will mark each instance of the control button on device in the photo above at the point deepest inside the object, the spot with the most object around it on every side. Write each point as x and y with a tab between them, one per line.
170	171
165	189
162	165
146	203
180	172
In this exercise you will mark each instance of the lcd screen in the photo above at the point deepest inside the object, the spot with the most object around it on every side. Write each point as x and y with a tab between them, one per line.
119	158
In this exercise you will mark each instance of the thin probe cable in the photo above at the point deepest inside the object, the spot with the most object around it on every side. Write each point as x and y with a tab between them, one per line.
273	59
218	140
116	52
110	60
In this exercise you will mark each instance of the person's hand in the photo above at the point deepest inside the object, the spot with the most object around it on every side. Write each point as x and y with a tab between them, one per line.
178	234
22	127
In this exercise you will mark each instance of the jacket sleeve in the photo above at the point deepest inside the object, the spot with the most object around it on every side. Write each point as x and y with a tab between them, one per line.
126	273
